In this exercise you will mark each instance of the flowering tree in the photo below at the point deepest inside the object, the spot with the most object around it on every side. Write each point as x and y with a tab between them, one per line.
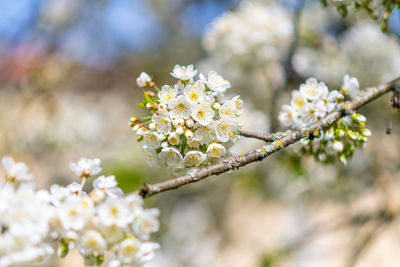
191	125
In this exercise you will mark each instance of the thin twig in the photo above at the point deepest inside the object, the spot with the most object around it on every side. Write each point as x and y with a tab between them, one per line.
366	242
236	162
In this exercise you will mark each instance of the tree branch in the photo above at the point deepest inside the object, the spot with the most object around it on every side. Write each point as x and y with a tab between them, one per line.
235	162
267	137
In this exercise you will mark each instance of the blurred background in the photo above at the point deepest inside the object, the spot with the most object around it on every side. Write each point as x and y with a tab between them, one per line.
68	73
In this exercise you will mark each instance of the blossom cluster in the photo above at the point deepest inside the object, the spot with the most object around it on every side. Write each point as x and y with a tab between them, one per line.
259	54
314	101
271	30
103	221
191	122
310	103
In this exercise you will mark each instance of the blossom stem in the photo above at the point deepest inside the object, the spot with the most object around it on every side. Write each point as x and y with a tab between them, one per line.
157	89
83	182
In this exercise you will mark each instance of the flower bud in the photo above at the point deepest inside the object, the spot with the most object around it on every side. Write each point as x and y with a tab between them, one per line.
329	134
352	135
189	123
343	159
366	132
178	122
148	106
149	93
216	106
338	146
189	134
179	131
339	133
162	107
161	137
358	118
340	98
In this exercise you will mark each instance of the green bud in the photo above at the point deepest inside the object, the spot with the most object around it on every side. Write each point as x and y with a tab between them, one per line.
62	249
339	133
343	159
352	135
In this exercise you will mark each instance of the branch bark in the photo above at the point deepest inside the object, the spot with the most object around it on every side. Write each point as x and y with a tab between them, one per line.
267	137
235	162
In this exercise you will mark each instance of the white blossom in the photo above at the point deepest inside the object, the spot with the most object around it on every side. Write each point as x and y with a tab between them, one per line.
216	150
204	134
183	73
16	170
74	212
167	93
86	167
115	211
194	92
143	80
109	185
146	223
92	243
173	138
338	146
312	89
172	157
180	107
215	82
298	101
194	158
350	86
163	123
150	156
312	112
225	129
288	116
151	139
128	250
202	113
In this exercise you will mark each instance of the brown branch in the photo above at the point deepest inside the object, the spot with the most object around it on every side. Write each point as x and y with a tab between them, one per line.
235	162
267	137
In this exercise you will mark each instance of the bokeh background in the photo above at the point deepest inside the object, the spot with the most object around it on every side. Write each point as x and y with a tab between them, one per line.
68	73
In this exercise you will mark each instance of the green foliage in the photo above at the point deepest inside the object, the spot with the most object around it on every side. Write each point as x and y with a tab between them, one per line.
129	178
380	13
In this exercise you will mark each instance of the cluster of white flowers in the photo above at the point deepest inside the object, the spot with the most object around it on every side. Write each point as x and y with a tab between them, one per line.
314	101
24	218
191	122
254	31
310	103
254	39
103	221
